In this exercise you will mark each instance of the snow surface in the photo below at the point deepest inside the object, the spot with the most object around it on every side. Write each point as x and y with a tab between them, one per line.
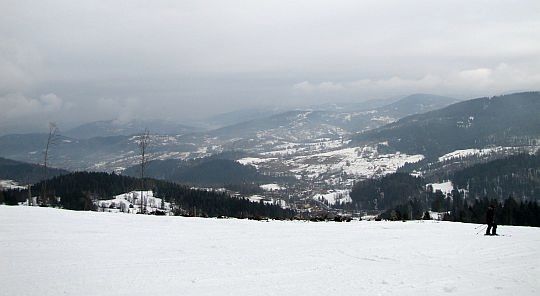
254	161
271	187
444	187
317	145
466	153
332	196
486	152
268	200
10	184
357	161
57	252
130	202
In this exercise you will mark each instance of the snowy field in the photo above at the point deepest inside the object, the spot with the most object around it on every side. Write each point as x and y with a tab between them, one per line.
56	252
10	184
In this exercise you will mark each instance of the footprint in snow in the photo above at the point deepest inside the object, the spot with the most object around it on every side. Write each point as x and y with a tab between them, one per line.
449	289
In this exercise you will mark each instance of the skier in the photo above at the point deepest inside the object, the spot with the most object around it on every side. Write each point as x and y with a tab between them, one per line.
490	221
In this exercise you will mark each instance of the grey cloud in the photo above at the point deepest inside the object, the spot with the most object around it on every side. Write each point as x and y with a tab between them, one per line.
479	81
188	59
17	105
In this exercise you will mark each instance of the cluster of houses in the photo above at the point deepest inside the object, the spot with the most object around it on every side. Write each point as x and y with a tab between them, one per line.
135	202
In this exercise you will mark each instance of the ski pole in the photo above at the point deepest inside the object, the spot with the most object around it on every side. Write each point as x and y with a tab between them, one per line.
479	226
482	229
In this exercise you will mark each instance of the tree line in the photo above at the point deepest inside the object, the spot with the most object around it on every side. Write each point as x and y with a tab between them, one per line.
512	184
78	191
508	120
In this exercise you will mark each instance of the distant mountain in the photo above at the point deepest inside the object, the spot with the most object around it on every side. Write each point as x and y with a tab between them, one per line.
95	154
238	116
308	125
116	146
246	115
201	172
291	125
25	173
65	152
353	106
507	120
109	128
417	103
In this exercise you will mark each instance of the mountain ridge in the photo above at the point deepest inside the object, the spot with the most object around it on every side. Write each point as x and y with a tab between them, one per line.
477	123
25	173
107	128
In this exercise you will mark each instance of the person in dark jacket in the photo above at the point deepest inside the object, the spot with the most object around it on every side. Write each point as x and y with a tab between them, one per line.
490	221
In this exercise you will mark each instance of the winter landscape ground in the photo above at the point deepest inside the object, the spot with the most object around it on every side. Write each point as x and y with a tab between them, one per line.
48	251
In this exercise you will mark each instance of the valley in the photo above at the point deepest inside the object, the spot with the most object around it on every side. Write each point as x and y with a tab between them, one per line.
311	159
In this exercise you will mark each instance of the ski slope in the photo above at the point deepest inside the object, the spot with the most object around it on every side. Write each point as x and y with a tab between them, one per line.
57	252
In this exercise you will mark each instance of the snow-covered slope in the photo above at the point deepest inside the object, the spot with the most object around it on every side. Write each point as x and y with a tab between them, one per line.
445	187
53	252
343	165
130	202
333	196
10	184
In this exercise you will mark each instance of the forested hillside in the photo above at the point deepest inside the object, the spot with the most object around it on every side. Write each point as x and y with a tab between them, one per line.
387	192
79	190
517	176
107	128
512	184
25	173
212	171
507	120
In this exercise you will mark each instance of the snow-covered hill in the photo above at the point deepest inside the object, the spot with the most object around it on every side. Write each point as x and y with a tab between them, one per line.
54	252
10	184
339	166
112	145
130	202
107	128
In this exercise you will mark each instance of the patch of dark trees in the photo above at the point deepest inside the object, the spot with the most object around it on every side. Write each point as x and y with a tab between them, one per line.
457	209
208	171
78	191
508	120
517	176
25	173
330	217
512	183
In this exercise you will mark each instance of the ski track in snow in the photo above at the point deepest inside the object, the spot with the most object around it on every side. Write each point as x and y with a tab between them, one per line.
53	252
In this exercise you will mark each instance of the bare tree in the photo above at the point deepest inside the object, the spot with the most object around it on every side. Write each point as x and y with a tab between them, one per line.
29	188
51	141
144	141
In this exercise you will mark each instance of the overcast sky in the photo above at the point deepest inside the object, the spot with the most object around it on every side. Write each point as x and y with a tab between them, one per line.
75	61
